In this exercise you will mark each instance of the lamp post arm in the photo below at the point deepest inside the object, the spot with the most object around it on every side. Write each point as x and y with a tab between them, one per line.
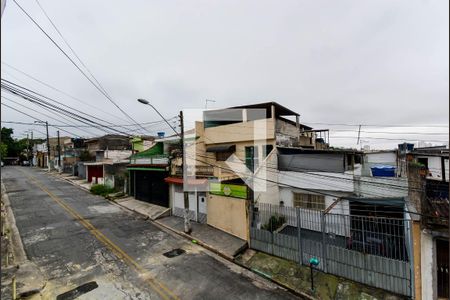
164	119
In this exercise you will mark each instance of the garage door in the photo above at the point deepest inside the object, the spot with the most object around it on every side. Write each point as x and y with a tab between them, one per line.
151	187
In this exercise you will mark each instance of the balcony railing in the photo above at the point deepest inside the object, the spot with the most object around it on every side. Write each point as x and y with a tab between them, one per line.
206	171
151	160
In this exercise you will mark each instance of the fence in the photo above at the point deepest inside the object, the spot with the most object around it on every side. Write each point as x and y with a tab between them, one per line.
371	250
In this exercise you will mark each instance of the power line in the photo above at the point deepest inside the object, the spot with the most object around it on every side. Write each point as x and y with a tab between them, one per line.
390	139
389	132
74	63
83	126
16	87
53	108
37	119
35	99
68	45
378	185
48	116
46	107
285	185
60	91
382	125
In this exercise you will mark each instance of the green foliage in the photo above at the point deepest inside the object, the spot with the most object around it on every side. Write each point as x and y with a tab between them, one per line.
274	223
86	156
7	135
416	164
3	150
14	147
102	190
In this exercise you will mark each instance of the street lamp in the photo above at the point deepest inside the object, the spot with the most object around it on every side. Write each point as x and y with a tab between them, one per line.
143	101
187	224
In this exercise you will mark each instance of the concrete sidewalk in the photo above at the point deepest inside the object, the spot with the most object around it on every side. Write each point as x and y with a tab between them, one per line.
215	239
82	183
147	209
29	279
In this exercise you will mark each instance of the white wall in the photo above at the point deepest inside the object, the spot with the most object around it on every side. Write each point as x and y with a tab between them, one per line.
311	219
387	158
428	269
116	155
177	197
377	187
317	180
267	190
378	158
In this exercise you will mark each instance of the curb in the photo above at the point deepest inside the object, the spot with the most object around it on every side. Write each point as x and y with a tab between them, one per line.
206	246
231	259
16	242
21	259
71	182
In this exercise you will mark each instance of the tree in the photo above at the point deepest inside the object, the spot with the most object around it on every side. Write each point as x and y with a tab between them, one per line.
14	147
3	150
7	136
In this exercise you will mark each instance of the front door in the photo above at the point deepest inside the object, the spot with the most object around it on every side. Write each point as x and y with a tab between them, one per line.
442	261
202	208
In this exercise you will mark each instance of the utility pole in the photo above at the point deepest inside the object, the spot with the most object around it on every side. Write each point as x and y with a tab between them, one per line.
187	223
48	146
28	148
359	133
32	145
59	152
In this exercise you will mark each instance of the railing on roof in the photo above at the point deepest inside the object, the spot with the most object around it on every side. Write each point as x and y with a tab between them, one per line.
202	171
160	159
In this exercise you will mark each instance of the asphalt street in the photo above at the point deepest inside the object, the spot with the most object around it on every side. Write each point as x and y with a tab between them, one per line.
76	238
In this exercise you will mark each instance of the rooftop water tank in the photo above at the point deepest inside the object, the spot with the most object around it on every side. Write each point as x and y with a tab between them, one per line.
383	171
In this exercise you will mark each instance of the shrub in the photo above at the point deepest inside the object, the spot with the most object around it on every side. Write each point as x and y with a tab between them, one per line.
274	223
102	190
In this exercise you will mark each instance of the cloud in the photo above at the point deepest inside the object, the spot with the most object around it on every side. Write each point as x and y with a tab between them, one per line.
379	62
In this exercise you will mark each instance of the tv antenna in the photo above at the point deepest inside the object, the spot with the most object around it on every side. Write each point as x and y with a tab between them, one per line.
206	102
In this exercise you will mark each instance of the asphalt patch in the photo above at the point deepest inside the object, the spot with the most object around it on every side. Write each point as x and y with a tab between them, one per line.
174	253
77	292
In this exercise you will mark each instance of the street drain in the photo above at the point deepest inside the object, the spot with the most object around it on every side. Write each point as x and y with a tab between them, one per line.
77	292
174	252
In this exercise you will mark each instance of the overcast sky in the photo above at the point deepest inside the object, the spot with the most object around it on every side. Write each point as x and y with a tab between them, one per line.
353	62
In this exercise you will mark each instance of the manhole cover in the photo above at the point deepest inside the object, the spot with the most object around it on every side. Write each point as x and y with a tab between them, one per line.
174	252
77	292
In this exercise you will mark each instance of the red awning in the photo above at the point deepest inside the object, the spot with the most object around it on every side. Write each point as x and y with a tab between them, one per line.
178	180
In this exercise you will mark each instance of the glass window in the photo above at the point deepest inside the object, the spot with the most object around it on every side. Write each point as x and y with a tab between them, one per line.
309	201
223	156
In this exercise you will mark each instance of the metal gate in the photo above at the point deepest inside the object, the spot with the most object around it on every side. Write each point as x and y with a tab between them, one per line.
151	187
442	260
371	250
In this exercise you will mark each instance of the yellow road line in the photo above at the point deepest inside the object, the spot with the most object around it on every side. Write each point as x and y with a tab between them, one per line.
159	287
